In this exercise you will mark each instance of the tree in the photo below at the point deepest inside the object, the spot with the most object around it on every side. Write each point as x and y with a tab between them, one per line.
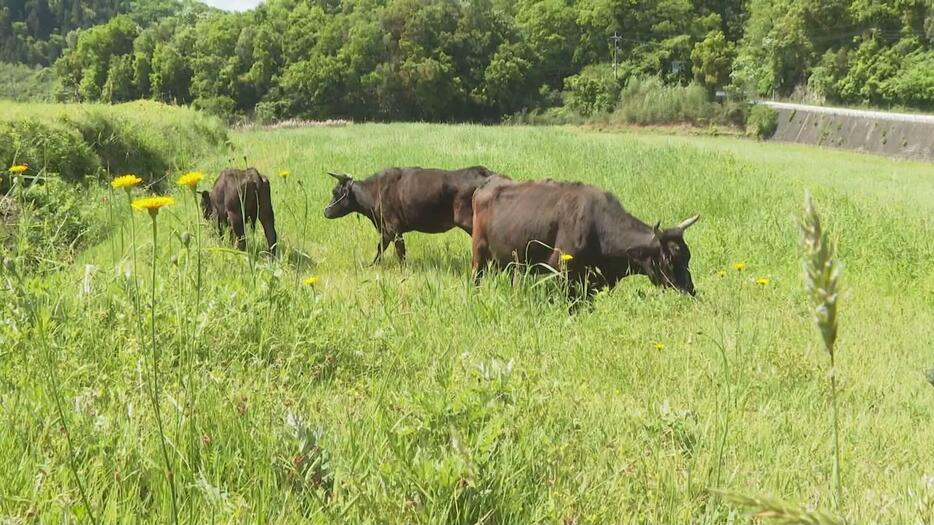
171	75
120	86
712	60
84	69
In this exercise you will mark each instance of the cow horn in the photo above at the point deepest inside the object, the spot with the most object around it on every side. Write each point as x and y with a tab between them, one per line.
336	175
686	223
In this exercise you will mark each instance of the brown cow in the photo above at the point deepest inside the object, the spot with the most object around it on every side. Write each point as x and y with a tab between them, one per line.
402	200
238	195
535	223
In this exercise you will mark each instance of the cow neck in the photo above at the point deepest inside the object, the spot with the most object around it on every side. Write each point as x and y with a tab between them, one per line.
363	193
631	240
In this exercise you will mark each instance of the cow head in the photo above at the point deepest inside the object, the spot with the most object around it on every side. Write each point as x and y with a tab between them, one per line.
669	265
207	205
342	198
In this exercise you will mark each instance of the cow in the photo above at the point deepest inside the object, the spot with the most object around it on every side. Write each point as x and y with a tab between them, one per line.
240	195
402	200
578	228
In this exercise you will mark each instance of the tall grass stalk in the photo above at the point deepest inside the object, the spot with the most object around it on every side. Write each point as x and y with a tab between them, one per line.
40	323
821	277
55	388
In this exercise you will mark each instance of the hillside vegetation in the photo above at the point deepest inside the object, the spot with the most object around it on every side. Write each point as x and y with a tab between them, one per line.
76	141
487	59
35	32
402	394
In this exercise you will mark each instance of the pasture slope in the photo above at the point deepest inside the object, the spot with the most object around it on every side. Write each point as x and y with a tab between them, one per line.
394	394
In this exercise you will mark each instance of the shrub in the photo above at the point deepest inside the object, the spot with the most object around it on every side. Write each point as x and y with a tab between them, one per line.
47	224
268	112
24	83
593	90
548	117
762	121
222	107
52	146
649	101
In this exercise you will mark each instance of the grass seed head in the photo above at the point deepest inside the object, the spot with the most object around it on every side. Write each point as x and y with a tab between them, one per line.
821	274
778	511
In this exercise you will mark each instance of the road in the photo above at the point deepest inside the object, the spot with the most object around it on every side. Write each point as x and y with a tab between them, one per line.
879	115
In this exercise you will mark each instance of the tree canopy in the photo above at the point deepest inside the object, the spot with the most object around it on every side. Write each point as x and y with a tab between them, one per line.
471	60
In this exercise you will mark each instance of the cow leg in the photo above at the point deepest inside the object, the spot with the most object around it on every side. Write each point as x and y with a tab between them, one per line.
267	218
400	247
480	258
576	286
220	224
236	221
381	247
479	247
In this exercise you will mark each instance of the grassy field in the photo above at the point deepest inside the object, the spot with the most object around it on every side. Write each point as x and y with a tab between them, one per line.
401	394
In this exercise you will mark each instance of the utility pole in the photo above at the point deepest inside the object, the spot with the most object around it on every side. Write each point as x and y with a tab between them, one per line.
616	38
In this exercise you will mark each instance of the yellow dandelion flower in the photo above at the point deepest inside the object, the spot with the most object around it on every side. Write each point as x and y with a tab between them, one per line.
18	168
152	204
311	281
125	182
763	281
284	174
659	345
565	257
740	266
722	273
190	179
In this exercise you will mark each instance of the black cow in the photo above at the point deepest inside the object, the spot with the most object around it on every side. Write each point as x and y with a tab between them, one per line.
402	200
238	195
535	223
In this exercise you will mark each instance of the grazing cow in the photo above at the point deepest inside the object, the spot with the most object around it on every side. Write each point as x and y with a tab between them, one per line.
238	195
402	200
535	223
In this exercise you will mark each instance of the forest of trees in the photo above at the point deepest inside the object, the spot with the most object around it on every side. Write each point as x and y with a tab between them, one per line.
476	60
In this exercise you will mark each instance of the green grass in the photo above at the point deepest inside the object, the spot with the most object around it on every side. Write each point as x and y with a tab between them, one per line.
419	399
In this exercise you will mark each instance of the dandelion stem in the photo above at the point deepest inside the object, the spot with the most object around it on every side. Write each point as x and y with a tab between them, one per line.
133	240
155	377
192	351
110	206
304	217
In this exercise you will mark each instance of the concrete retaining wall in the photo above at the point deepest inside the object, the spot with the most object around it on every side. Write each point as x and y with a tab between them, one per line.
892	134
